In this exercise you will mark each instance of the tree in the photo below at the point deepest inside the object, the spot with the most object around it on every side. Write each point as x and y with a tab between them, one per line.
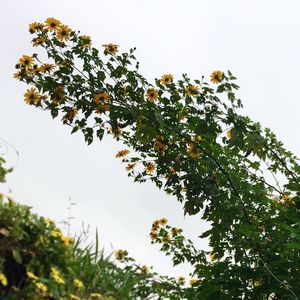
189	139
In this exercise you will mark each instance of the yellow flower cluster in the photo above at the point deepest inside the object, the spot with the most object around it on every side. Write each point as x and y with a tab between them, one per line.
70	115
192	152
32	96
155	227
181	279
56	276
194	281
122	153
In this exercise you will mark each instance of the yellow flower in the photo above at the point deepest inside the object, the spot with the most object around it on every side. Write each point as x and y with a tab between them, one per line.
194	281
229	133
78	283
85	41
120	254
3	279
44	68
52	24
19	75
153	235
110	49
162	221
192	90
145	269
176	231
67	240
192	152
129	167
56	233
150	168
181	279
26	61
96	296
63	33
41	287
152	94
70	115
216	76
33	27
122	153
31	276
38	41
213	256
73	297
166	79
160	147
32	96
101	97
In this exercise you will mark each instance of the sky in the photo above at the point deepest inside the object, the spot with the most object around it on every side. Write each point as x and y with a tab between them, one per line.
258	41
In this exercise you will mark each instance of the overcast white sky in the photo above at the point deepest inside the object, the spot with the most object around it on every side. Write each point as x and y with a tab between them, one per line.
257	40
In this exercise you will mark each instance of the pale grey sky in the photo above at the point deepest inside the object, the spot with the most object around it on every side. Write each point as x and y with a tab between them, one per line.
257	40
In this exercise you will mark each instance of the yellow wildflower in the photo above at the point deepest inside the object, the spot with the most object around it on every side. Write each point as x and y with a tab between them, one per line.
213	256
78	283
73	297
216	76
144	269
176	231
3	279
52	24
149	168
111	49
55	274
160	147
44	68
101	97
153	235
33	27
229	133
38	41
120	254
26	61
192	90
63	33
122	153
96	296
162	221
70	115
56	233
194	281
41	287
85	41
166	79
67	240
152	94
181	279
31	276
32	96
129	167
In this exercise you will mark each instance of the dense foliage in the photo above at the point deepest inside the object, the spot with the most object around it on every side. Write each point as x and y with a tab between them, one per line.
38	262
190	139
